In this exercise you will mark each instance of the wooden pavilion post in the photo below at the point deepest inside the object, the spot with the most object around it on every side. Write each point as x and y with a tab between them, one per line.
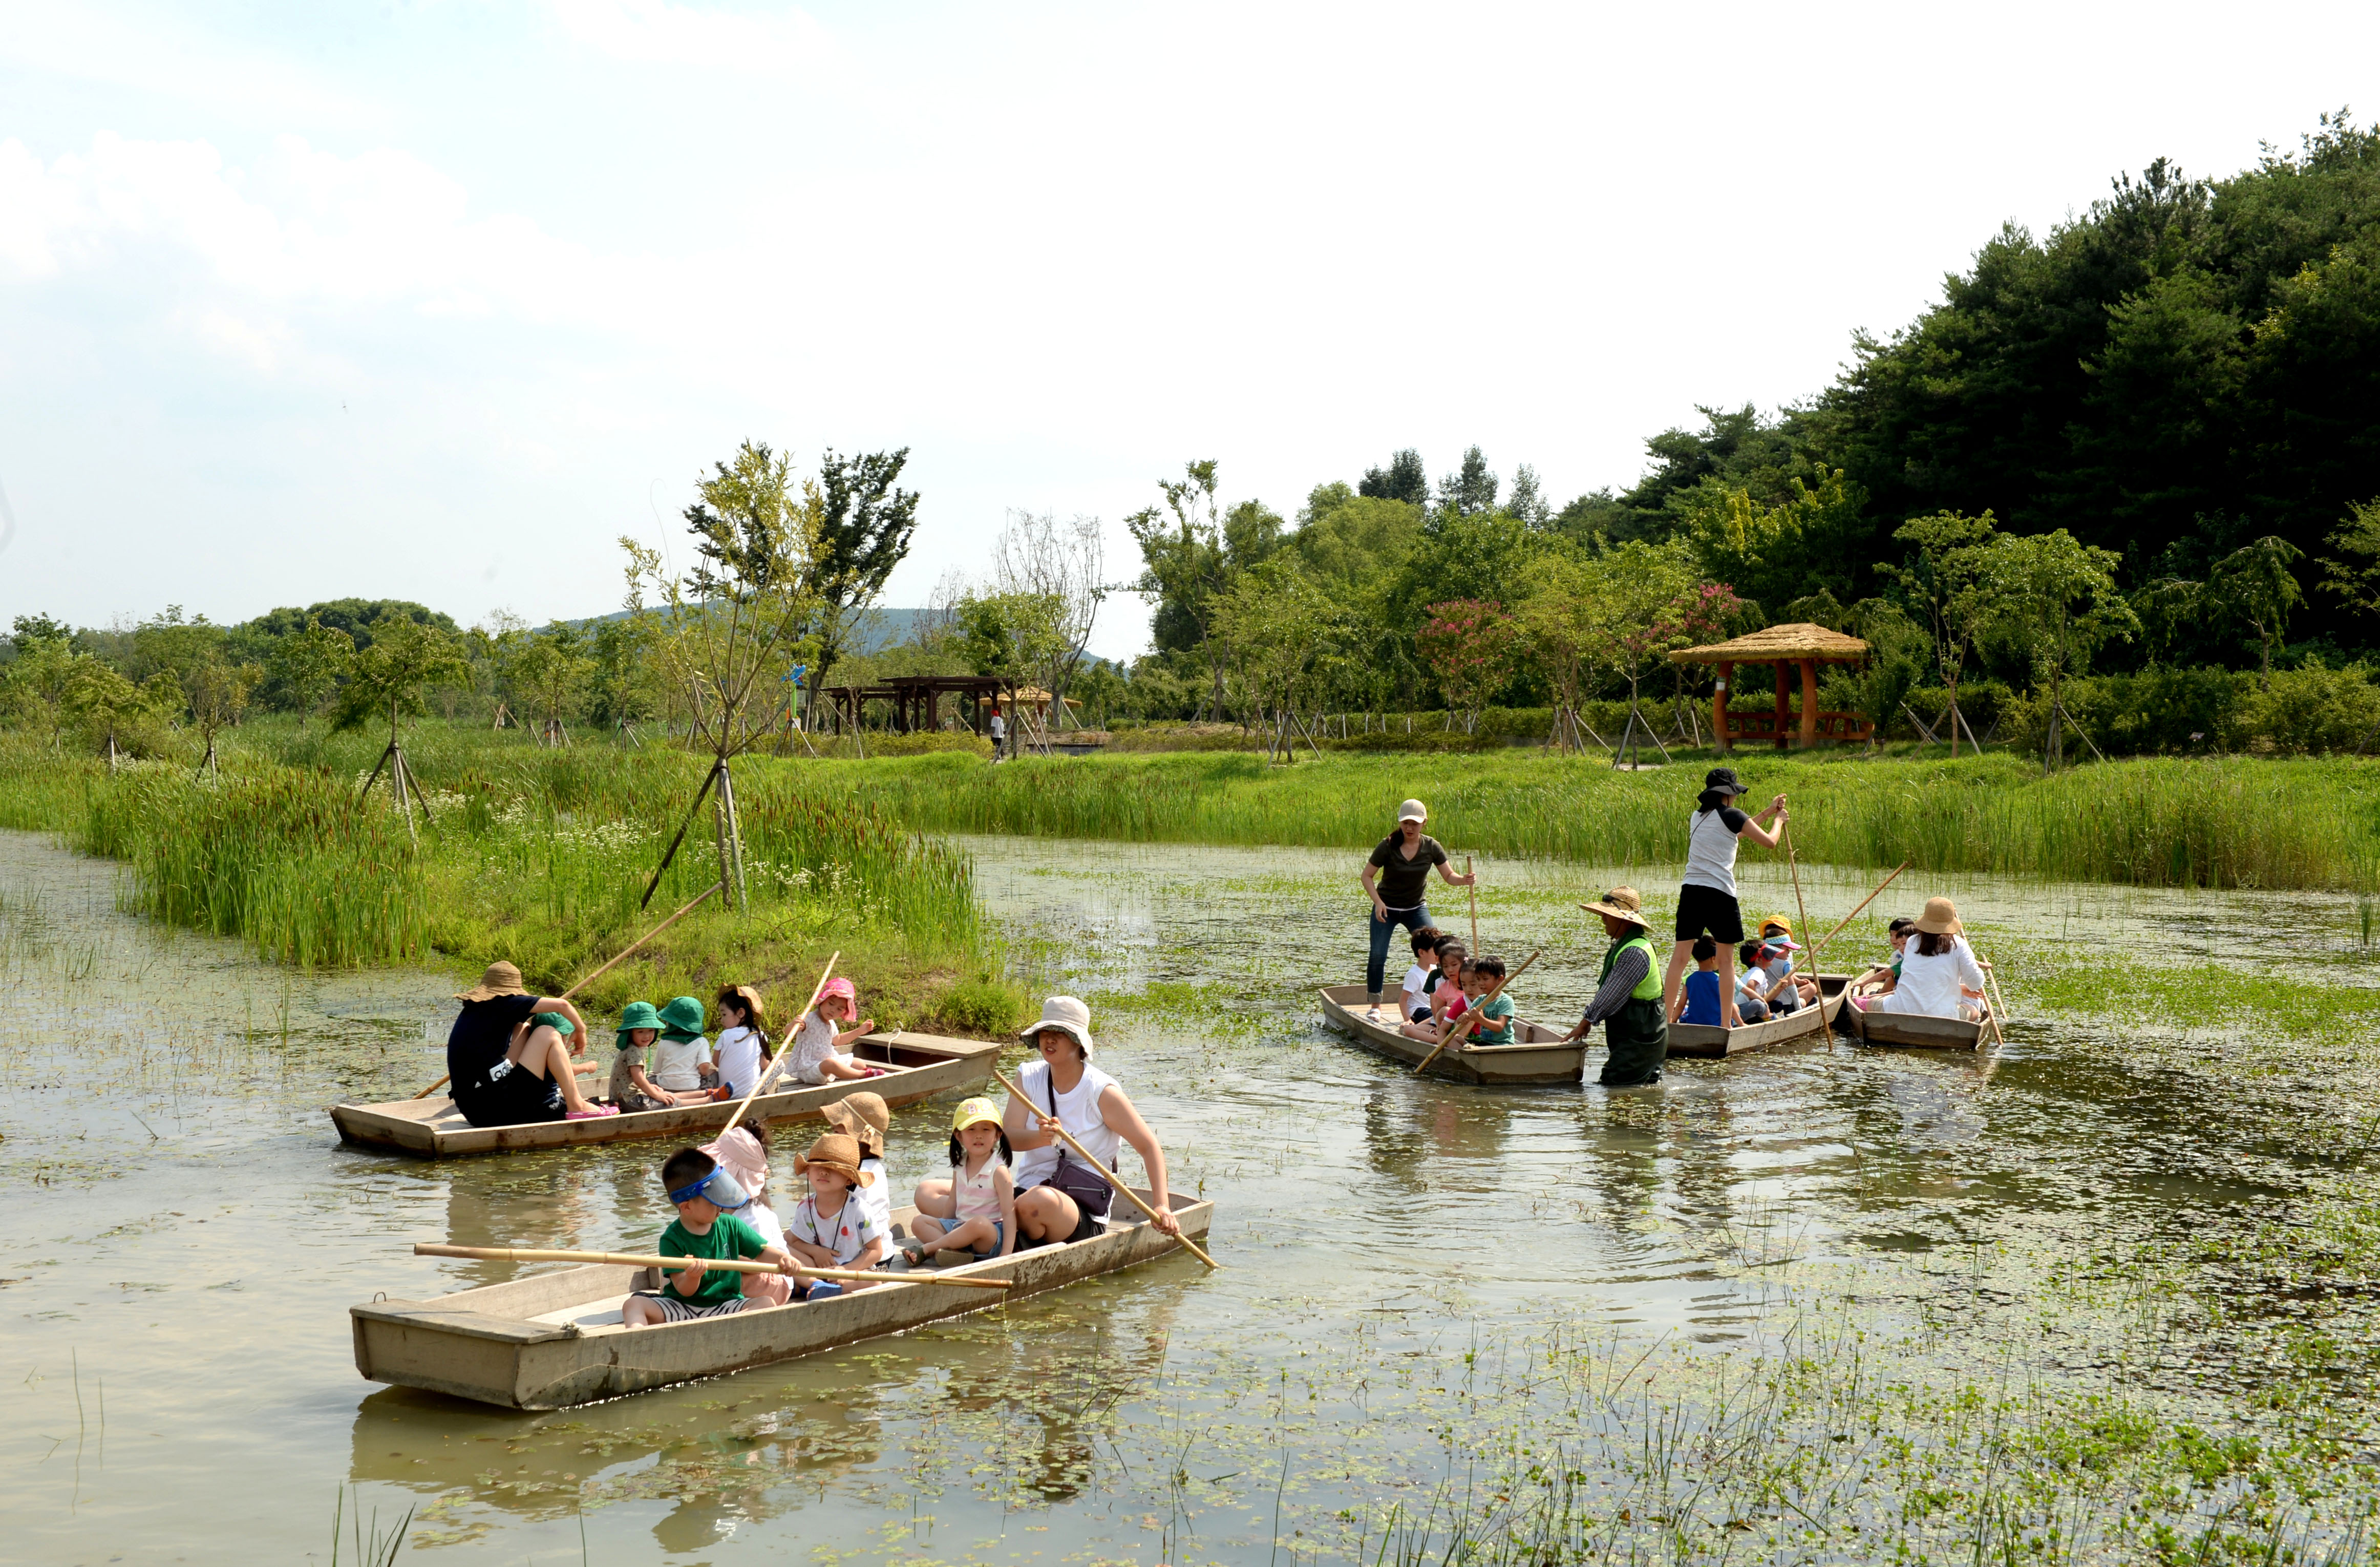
1719	706
1781	666
1809	703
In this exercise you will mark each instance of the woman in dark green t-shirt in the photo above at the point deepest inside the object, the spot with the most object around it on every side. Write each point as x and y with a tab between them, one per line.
1396	879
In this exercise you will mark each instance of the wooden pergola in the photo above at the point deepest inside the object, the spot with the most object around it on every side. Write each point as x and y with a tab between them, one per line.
917	699
1802	647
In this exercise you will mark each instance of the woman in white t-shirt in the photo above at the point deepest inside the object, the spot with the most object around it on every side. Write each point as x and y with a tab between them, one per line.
1939	977
1706	905
1057	1198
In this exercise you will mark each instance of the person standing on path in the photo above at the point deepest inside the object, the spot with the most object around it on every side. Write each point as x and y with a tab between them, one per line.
1397	880
1706	903
1627	998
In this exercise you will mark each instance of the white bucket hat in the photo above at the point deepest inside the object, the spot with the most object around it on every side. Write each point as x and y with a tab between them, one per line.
1066	1013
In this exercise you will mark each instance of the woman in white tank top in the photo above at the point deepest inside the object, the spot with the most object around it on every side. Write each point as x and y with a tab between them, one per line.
1057	1198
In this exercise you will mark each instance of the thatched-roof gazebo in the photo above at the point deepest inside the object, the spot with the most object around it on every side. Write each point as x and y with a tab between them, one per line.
1801	646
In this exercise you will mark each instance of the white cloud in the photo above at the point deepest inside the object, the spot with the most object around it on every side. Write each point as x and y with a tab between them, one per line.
652	32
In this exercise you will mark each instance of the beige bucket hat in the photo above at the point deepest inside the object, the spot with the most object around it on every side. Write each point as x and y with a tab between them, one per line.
1067	1014
1622	902
500	980
1940	918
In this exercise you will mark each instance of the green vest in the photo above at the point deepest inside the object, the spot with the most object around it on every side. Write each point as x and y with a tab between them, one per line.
1636	1036
1649	988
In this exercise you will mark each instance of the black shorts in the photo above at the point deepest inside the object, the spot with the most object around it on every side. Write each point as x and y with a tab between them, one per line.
1706	909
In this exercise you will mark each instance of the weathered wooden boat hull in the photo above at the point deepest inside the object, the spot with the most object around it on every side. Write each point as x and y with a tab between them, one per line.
1537	1054
1914	1030
433	1128
1810	1025
554	1340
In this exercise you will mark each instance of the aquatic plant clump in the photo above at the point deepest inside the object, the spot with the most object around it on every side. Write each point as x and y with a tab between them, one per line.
540	856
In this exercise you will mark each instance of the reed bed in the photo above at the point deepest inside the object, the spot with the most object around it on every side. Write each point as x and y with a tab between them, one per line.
2217	823
539	856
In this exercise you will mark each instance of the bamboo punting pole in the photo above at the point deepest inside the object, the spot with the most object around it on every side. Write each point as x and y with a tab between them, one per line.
1470	1019
1811	955
1995	1004
1474	890
624	952
679	1264
1092	1160
769	1066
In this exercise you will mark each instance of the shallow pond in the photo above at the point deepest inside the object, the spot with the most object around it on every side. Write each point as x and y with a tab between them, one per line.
185	1232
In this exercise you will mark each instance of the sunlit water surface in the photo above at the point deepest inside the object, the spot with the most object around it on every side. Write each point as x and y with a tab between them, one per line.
183	1233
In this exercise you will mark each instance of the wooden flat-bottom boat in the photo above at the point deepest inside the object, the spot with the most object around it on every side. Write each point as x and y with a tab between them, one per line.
1915	1030
1812	1025
555	1340
919	1066
1537	1054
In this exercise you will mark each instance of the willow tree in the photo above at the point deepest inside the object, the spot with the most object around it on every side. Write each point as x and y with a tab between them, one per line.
731	628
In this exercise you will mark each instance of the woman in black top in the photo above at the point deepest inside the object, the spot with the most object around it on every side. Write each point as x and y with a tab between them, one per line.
1397	880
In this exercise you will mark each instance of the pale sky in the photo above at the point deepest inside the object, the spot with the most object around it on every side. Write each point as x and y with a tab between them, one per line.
434	300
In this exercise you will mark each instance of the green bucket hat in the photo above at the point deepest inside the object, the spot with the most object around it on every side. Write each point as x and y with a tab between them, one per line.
554	1021
681	1019
637	1015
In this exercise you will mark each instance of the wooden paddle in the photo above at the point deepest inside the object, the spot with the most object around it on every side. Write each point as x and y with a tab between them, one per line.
1470	1018
1092	1160
631	947
678	1264
767	1066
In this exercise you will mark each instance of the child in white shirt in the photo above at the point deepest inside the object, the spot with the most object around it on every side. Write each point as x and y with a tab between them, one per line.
1417	987
819	1052
743	1039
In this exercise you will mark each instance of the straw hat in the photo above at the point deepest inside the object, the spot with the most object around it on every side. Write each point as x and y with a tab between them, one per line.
836	1151
1066	1015
1940	918
862	1117
1622	902
500	980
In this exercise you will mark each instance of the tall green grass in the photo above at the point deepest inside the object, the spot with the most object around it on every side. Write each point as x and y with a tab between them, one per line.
2231	822
541	856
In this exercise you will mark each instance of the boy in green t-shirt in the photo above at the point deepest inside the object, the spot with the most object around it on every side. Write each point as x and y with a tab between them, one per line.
706	1232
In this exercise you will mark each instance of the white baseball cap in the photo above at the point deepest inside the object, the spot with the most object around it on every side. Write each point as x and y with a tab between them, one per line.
1412	810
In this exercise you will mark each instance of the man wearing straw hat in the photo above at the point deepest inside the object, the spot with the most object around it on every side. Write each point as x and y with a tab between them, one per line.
1628	997
482	1035
1399	865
